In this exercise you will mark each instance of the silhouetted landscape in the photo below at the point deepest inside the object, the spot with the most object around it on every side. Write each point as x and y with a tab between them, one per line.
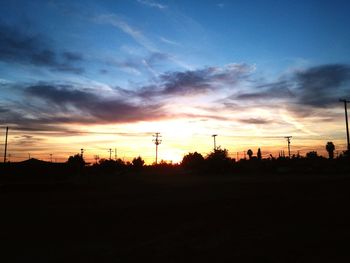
204	209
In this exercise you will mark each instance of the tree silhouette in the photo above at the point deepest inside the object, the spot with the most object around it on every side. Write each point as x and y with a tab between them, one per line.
259	154
138	162
76	160
192	161
330	149
250	154
218	160
76	163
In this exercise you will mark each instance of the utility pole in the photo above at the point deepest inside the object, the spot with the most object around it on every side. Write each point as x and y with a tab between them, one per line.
288	141
96	157
115	153
346	121
110	154
82	153
5	153
214	137
157	141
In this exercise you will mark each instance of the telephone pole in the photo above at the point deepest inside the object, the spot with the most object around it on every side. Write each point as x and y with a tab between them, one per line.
157	141
288	141
110	154
82	152
346	121
5	153
214	136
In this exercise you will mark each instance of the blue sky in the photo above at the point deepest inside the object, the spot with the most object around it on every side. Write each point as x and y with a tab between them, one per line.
65	65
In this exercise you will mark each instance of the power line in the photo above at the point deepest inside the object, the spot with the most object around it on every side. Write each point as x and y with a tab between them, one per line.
157	141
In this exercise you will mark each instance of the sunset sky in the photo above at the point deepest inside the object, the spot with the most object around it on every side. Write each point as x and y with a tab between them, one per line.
109	74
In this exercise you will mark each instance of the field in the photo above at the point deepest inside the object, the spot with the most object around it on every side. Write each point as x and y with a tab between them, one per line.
180	218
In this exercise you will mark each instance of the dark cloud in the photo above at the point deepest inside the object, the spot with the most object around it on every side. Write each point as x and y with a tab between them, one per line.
196	81
256	121
316	87
17	46
72	56
86	107
322	86
279	89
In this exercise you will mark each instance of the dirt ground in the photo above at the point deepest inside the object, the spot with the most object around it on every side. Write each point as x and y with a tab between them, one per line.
177	219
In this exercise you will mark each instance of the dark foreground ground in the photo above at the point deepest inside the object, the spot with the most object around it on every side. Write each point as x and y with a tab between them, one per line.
177	218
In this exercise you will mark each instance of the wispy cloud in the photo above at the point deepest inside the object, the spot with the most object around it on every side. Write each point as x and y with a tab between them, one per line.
168	41
152	4
220	5
136	34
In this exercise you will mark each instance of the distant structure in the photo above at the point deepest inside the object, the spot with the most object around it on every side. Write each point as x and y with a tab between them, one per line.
157	141
110	153
82	152
5	152
288	141
346	121
214	137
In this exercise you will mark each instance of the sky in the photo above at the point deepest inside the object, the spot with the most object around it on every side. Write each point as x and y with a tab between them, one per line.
103	75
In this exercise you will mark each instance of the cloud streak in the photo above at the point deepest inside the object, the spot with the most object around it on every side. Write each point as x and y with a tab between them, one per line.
152	4
122	25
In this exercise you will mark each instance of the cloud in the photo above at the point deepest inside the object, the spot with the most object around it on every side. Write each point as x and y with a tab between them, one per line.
20	47
84	106
315	87
168	41
118	22
48	106
256	121
137	65
197	81
152	4
276	90
322	86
